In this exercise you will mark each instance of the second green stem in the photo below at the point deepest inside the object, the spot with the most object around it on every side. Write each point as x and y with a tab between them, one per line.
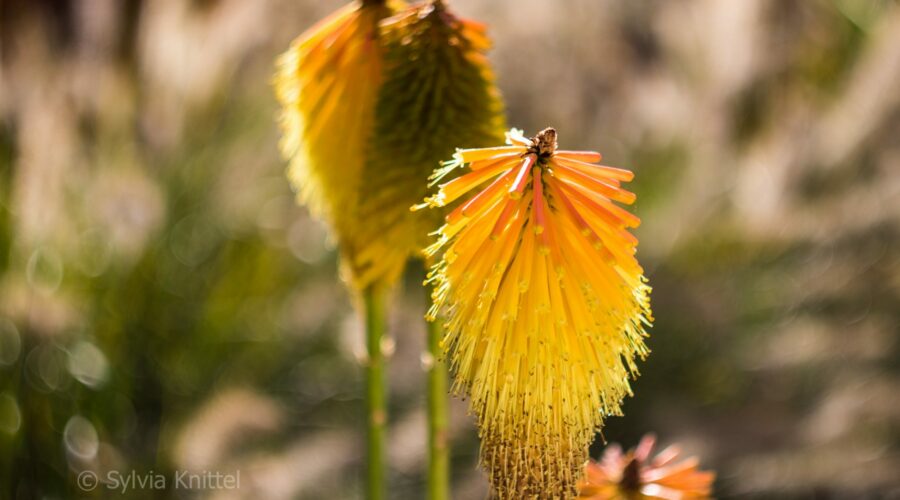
376	394
438	449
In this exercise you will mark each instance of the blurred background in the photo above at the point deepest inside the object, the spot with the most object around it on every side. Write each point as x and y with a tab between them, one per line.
165	305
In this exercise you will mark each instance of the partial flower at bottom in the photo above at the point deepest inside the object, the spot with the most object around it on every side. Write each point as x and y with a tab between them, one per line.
545	304
637	475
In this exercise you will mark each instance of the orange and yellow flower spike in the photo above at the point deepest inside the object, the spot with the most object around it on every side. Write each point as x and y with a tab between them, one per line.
546	304
327	84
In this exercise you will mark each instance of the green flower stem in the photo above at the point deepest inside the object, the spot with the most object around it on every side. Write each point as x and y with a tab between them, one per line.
438	449
376	394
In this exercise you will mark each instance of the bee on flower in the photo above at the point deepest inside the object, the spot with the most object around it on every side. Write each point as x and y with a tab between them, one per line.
545	304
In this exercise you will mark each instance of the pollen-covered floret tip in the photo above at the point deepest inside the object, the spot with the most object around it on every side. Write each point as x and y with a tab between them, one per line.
515	136
435	201
445	168
438	200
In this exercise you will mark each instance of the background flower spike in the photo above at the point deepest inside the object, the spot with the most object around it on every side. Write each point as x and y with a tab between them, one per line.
545	303
439	93
327	84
